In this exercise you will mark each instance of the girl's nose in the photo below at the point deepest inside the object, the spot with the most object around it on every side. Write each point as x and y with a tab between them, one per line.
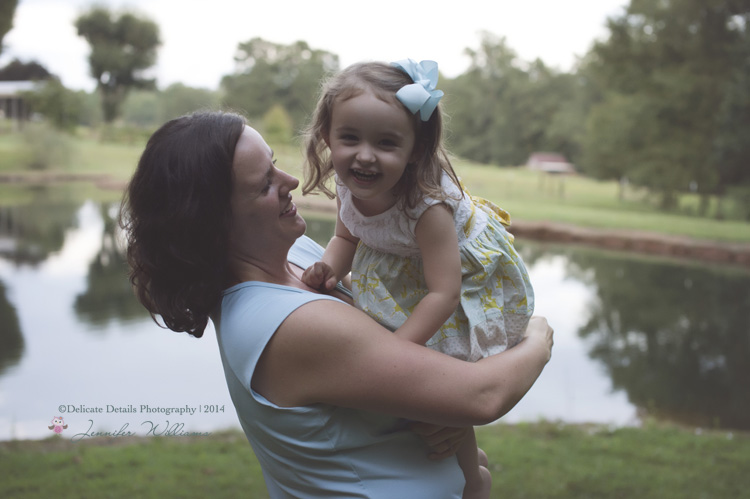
365	154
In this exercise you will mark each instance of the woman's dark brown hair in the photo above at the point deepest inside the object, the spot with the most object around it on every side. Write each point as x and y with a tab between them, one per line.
175	215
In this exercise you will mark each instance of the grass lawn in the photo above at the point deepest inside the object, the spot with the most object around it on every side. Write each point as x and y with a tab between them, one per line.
527	195
542	460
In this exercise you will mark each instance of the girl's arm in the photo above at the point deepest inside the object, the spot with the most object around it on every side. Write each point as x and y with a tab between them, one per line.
438	244
336	262
329	352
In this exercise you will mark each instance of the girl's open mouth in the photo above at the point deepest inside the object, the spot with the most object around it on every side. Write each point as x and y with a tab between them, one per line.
364	176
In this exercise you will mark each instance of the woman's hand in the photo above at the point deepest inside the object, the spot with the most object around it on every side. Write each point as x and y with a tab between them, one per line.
539	329
443	441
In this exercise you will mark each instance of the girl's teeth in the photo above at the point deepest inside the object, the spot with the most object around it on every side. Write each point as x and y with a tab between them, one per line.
364	175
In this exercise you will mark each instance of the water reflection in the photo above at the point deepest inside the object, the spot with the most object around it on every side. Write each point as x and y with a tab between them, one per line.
634	335
30	232
675	337
11	339
108	294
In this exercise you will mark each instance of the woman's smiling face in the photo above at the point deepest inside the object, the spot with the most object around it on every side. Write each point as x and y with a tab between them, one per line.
261	198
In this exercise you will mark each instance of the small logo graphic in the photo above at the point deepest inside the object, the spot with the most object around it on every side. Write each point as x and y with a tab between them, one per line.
58	425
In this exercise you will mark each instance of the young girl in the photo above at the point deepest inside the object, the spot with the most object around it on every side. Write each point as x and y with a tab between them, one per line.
427	260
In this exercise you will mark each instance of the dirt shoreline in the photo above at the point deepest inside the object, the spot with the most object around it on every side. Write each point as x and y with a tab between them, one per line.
615	239
637	241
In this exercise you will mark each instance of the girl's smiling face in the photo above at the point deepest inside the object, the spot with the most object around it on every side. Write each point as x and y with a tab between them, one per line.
371	142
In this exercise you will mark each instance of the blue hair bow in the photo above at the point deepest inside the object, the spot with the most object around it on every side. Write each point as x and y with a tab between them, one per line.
420	96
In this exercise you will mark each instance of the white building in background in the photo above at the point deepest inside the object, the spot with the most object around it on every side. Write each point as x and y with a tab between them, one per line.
12	104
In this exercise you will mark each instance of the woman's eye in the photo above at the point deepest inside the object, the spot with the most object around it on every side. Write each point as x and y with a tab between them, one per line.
266	186
269	178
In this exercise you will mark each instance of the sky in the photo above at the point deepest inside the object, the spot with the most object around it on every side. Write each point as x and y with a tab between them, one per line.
199	38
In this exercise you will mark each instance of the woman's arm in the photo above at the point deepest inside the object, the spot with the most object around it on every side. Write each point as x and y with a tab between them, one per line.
438	245
329	352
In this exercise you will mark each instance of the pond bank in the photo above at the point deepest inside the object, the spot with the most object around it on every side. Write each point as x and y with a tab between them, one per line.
615	239
638	241
620	239
100	180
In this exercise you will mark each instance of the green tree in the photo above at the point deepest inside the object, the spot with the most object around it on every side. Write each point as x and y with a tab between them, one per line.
671	60
732	147
480	102
277	126
141	108
550	111
575	96
91	113
178	99
149	108
7	10
122	48
503	109
46	147
619	115
16	70
61	106
269	74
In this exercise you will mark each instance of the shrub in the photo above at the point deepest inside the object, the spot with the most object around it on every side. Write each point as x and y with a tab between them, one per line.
45	146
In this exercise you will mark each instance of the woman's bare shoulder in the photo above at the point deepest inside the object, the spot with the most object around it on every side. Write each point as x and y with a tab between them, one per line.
317	341
323	321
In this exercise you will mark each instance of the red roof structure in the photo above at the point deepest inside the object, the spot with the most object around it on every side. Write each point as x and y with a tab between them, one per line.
550	162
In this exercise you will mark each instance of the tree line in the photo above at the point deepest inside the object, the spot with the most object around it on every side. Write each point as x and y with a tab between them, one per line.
662	103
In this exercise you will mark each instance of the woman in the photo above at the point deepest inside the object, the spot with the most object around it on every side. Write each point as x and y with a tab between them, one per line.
319	387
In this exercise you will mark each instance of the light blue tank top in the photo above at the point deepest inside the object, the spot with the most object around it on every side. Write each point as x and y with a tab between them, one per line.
318	451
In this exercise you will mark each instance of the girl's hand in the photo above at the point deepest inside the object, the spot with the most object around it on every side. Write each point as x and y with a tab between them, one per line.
320	276
443	441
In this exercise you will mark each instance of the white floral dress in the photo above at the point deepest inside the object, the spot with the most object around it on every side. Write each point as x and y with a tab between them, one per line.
388	282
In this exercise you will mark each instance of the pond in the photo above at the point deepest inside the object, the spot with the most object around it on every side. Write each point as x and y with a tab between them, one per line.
636	337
